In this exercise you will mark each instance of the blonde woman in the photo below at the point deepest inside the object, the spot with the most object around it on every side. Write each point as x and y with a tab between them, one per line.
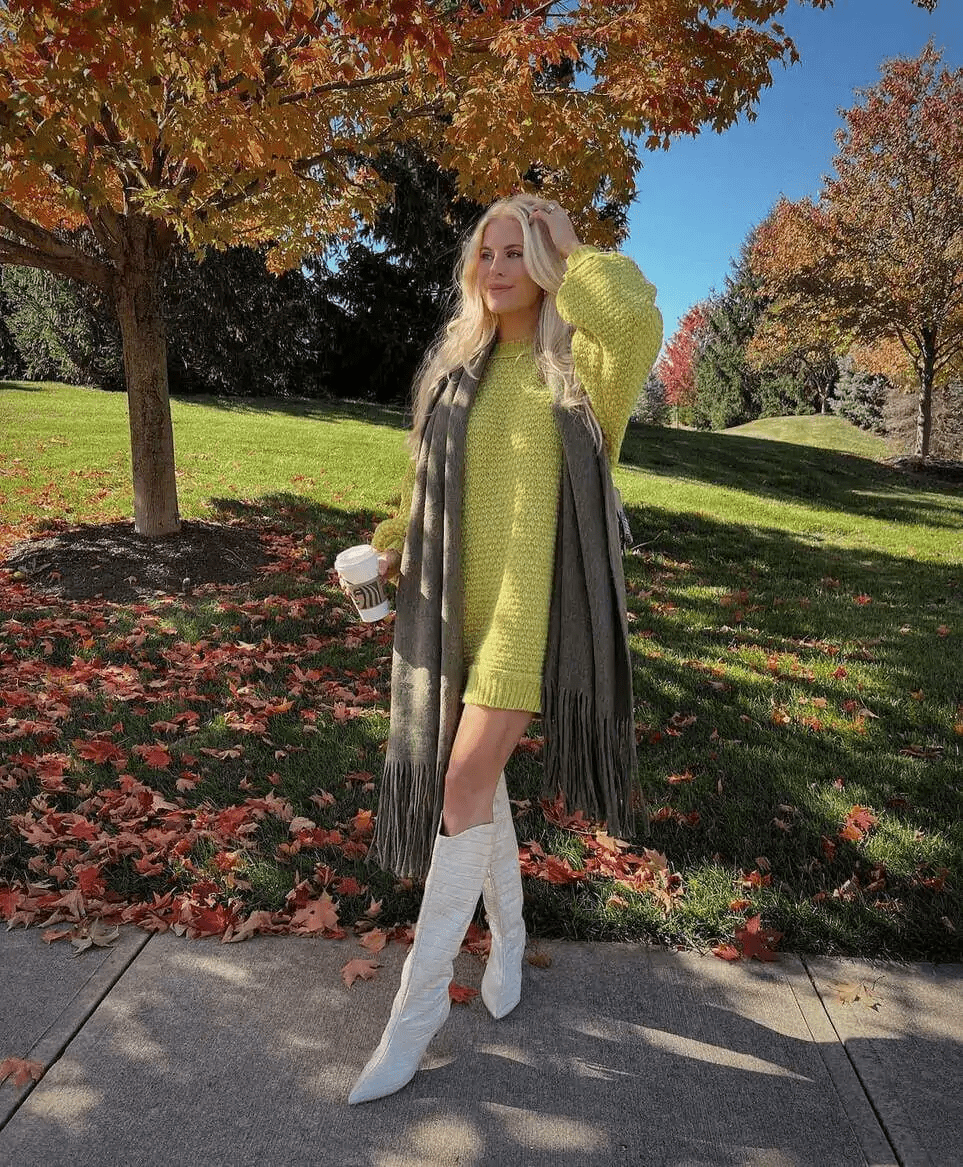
511	598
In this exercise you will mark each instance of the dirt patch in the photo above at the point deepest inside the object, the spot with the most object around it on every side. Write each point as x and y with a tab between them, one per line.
943	468
110	560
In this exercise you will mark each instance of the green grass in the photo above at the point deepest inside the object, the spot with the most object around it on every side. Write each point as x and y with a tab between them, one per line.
823	431
67	450
797	621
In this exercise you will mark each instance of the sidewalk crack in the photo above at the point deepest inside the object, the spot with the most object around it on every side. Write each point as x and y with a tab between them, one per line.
880	1122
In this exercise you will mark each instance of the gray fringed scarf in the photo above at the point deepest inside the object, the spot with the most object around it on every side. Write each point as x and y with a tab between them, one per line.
587	712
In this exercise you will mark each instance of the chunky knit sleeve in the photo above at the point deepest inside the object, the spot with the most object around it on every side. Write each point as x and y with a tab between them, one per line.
618	333
390	534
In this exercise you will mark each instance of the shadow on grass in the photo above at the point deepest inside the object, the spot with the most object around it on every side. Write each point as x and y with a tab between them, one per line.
745	766
901	758
746	769
316	409
297	513
792	473
29	386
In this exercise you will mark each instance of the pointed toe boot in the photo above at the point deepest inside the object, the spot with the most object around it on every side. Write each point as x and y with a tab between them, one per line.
458	867
501	987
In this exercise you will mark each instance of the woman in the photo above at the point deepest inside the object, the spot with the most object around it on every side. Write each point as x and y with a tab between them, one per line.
510	596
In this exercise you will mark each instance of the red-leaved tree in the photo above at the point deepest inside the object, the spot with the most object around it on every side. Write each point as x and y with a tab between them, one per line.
677	364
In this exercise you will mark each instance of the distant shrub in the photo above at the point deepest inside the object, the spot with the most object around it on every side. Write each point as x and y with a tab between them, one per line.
860	398
651	407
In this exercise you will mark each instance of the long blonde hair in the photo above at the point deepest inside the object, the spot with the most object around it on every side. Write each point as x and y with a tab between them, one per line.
471	325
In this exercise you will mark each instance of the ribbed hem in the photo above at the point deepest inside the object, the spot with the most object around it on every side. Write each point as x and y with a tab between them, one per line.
499	689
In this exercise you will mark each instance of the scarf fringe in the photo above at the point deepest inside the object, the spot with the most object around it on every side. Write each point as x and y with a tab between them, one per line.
591	759
409	812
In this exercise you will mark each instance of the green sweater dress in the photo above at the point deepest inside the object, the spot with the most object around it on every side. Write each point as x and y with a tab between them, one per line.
513	460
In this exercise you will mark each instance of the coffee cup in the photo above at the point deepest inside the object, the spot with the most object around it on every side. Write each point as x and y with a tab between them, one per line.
357	568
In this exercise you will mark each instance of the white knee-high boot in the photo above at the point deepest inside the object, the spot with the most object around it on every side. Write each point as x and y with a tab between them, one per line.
501	987
458	867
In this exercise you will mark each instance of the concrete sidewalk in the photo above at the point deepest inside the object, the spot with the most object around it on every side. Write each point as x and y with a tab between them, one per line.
169	1051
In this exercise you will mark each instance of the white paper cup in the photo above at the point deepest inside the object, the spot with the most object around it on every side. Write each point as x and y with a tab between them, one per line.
357	568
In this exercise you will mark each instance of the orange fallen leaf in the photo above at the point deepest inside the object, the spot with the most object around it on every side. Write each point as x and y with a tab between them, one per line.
685	776
155	756
318	915
365	969
849	993
461	994
726	952
374	940
20	1070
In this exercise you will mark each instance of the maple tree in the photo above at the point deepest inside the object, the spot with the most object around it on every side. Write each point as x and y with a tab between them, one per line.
877	259
676	367
257	122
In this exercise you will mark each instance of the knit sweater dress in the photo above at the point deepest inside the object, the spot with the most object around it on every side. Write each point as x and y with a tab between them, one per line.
513	460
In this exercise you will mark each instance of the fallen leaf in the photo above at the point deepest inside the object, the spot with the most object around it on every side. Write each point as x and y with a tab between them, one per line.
850	992
365	969
726	952
539	959
95	934
461	994
374	940
757	941
685	776
318	915
20	1070
155	756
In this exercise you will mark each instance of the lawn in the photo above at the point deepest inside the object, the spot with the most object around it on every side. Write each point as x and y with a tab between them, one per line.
211	761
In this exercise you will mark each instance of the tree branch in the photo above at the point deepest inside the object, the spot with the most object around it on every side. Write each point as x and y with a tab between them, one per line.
76	266
358	83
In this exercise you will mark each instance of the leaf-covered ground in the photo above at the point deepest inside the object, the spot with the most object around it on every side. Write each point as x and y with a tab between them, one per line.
207	758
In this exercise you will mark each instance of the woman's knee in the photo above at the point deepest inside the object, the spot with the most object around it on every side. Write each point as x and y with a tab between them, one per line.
466	776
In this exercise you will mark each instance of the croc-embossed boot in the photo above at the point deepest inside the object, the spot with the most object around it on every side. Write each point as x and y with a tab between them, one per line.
459	864
501	987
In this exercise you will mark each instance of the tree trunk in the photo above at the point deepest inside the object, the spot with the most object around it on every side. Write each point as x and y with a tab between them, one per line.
140	311
925	406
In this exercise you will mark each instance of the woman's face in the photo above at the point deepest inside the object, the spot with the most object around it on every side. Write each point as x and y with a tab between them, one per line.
509	292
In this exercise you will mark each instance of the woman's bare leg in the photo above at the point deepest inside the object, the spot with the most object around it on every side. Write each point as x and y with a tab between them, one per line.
483	744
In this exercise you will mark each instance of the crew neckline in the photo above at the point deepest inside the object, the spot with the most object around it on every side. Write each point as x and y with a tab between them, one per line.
512	348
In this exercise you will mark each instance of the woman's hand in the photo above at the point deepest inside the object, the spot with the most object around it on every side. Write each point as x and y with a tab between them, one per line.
389	565
559	227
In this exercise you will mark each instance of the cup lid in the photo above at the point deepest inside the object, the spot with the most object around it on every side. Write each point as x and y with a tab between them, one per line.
352	556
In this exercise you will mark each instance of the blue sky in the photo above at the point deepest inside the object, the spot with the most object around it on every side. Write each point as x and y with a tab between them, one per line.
697	201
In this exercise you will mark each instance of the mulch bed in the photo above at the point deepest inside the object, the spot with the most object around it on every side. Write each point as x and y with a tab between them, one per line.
111	561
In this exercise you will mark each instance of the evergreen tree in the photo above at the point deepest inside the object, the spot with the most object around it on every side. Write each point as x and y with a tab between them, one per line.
860	397
11	365
728	389
379	302
233	327
651	408
61	330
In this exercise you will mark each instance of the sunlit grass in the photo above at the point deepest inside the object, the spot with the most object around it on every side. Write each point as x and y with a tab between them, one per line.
797	624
